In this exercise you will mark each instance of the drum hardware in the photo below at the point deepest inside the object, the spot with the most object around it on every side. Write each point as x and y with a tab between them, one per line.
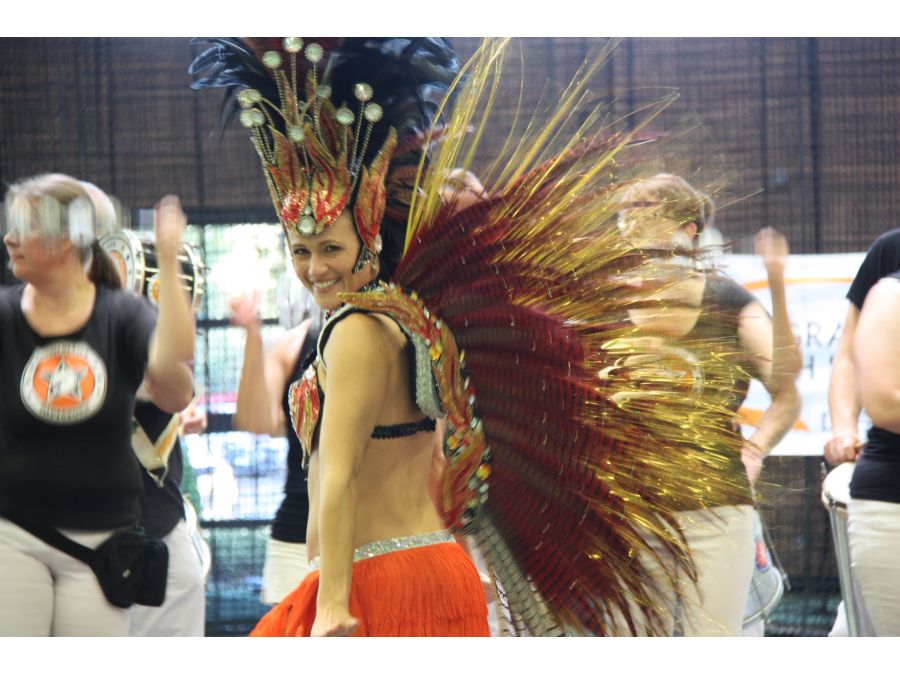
134	254
835	498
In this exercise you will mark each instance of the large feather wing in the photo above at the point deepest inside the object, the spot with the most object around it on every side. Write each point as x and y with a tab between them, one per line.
571	441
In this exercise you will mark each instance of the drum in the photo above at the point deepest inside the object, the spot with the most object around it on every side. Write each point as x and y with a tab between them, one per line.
835	497
135	256
768	581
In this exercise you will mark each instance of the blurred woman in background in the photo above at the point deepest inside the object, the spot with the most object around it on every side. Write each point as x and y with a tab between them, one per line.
665	214
74	350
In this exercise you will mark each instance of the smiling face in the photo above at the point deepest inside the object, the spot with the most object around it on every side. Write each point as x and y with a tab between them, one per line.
324	262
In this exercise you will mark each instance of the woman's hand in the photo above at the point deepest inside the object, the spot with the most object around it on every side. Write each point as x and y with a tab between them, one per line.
193	419
334	622
772	247
245	309
170	225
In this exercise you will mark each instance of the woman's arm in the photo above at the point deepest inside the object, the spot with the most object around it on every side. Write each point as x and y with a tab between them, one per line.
843	397
787	360
264	376
757	335
876	354
358	371
169	375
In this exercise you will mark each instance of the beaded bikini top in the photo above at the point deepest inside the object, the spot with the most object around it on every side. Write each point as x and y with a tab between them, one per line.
306	398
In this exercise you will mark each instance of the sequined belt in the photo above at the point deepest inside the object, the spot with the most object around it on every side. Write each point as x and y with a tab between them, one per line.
396	544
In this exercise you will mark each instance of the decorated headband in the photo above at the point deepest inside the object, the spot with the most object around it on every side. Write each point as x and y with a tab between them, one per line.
312	154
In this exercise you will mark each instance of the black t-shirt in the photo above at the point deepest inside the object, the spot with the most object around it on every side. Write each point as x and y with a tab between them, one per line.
290	520
877	473
66	407
882	259
723	301
717	326
162	507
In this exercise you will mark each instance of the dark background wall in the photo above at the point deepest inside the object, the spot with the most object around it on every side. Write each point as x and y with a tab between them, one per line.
808	123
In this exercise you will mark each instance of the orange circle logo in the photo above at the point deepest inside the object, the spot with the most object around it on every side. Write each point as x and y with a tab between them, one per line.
64	383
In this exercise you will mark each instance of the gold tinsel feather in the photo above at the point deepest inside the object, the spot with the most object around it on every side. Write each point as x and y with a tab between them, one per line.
574	436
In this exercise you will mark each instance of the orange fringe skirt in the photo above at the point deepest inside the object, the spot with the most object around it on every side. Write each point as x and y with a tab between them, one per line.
427	591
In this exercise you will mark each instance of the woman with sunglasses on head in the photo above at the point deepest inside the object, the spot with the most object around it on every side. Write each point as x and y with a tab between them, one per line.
75	349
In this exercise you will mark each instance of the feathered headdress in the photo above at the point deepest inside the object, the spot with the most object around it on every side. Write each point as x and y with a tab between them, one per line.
319	159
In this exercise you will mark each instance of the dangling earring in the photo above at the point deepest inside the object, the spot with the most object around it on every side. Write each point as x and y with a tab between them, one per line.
365	257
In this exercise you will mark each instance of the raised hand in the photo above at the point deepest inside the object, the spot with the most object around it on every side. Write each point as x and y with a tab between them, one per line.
772	247
170	225
245	309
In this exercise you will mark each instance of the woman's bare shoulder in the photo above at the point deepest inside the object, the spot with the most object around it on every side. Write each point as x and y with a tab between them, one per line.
358	339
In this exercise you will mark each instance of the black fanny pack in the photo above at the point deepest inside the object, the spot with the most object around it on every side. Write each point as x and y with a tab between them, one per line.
130	566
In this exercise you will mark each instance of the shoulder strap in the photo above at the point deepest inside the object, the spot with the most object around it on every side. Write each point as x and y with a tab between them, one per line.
56	539
340	314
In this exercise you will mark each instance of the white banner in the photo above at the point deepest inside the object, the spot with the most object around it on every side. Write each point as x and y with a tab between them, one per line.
816	296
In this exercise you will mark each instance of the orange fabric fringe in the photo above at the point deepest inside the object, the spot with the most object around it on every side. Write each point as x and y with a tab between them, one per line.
428	591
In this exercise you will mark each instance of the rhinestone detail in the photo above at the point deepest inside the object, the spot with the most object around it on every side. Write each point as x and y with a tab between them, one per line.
377	548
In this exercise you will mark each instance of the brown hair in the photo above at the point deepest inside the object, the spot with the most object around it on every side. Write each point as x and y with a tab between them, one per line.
103	269
66	189
680	200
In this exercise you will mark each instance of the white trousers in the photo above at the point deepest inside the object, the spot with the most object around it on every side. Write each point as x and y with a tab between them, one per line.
183	613
45	592
873	529
722	545
285	567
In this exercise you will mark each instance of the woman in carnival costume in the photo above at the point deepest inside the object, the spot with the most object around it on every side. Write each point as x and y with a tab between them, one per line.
498	311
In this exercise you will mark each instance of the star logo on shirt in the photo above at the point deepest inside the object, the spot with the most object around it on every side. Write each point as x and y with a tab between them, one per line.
64	382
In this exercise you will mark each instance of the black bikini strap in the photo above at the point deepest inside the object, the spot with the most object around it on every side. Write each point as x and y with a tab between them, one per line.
401	430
